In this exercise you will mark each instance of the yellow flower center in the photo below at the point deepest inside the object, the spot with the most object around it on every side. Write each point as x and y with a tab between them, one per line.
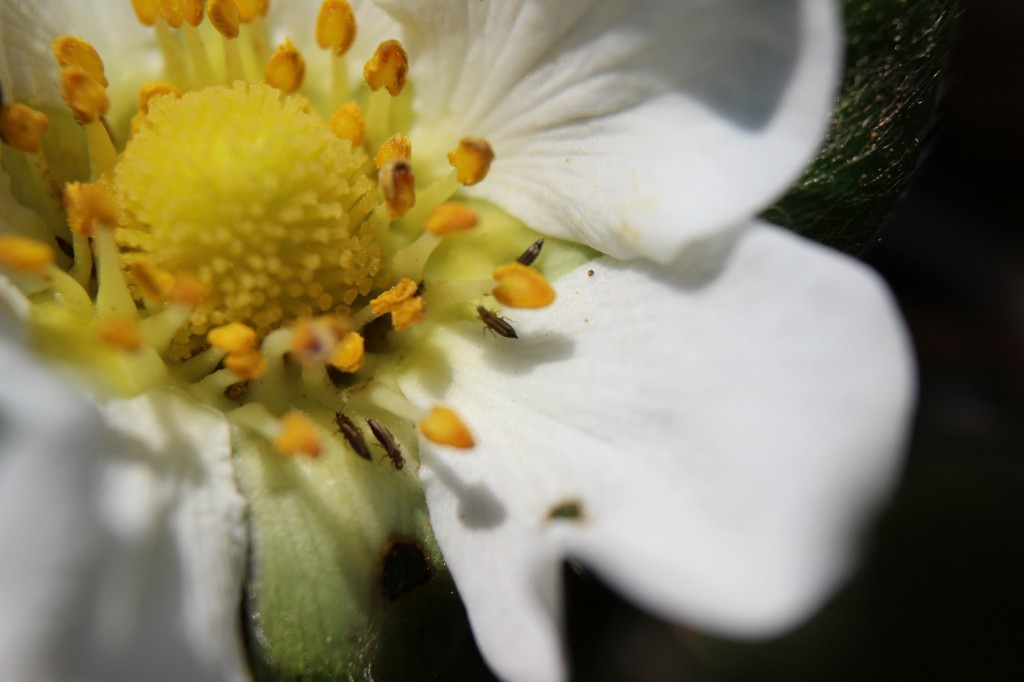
254	195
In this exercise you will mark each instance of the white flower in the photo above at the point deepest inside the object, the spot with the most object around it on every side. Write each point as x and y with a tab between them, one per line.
706	426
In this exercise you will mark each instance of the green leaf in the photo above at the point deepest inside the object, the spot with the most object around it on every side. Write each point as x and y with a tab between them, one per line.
896	52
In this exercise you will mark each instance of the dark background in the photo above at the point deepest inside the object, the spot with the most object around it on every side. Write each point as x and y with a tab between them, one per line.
938	596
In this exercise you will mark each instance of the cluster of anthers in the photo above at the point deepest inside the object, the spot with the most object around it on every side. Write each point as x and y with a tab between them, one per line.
242	245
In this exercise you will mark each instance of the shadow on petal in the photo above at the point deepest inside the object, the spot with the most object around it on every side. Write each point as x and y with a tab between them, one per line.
479	507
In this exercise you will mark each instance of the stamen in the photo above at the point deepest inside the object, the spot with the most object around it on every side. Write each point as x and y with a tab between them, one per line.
225	17
450	218
150	91
24	254
387	68
88	205
298	436
87	98
252	10
286	68
436	193
247	365
22	127
121	333
348	123
395	147
409	313
92	212
349	353
154	283
398	185
335	26
471	159
443	426
251	14
70	51
193	14
173	12
147	11
401	292
522	287
233	337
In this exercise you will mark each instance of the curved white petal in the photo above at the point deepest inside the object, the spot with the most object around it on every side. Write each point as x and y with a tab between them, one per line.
28	70
725	426
121	535
296	19
633	127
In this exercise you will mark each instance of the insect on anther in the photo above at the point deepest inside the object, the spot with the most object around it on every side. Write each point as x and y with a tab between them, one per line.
387	441
531	253
497	324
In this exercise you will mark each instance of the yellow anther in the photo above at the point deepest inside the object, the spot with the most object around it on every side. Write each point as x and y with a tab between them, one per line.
286	68
471	159
25	255
349	123
335	26
147	11
89	205
443	426
233	337
121	333
86	96
176	12
450	218
193	11
154	89
250	10
70	51
393	297
522	287
349	353
224	16
298	436
408	313
398	185
313	341
22	127
189	290
247	365
152	281
387	68
397	146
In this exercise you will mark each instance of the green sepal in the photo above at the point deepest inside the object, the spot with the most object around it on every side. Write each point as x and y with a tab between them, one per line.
896	53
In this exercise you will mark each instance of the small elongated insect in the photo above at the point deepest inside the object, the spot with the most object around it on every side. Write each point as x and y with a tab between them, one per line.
498	325
387	441
531	253
353	435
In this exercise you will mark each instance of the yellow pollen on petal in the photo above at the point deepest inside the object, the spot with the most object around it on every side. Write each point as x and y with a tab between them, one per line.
450	218
154	89
233	337
395	147
25	255
408	313
387	68
286	68
70	51
404	290
247	364
522	287
335	26
22	127
471	159
147	11
84	95
224	16
444	427
349	123
89	205
153	282
250	10
298	436
121	333
349	353
398	185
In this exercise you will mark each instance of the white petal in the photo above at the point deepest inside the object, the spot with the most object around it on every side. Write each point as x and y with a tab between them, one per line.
725	424
28	70
121	544
636	127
